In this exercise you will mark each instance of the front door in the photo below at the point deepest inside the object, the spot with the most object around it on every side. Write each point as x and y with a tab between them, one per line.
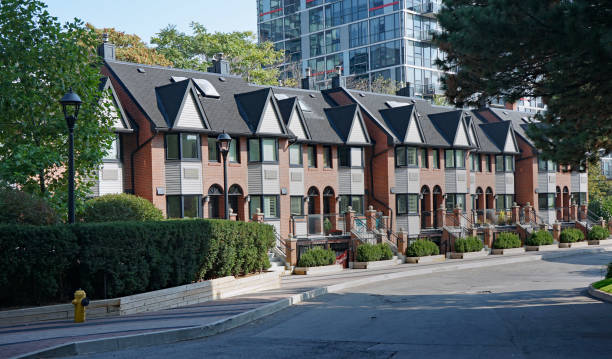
213	207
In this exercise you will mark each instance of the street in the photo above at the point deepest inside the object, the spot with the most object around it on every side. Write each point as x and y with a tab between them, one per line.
531	310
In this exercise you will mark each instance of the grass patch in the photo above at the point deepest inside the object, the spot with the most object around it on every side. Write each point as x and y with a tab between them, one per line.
604	285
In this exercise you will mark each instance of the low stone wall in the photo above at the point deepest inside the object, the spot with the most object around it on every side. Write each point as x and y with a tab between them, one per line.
500	251
427	259
467	255
574	244
332	268
375	264
168	298
542	248
601	242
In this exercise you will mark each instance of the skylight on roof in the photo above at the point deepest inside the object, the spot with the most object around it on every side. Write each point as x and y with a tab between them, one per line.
178	78
394	104
141	70
280	96
304	106
206	88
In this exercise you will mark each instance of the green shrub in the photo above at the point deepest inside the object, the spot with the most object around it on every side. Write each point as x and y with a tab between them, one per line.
609	274
317	257
507	240
34	263
570	235
120	207
373	252
422	248
540	238
598	233
468	244
41	264
18	207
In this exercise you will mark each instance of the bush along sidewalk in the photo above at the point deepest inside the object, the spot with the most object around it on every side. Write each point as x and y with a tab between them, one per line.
423	251
540	240
317	260
468	247
44	264
373	255
599	234
507	243
571	237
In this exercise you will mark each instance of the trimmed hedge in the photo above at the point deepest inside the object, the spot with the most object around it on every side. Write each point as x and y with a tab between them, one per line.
468	244
422	248
317	257
570	235
507	240
540	238
120	207
111	259
373	252
598	233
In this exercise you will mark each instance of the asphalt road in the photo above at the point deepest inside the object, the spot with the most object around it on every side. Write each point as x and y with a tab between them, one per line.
533	310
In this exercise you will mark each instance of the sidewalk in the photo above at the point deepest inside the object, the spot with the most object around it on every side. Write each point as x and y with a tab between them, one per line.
217	316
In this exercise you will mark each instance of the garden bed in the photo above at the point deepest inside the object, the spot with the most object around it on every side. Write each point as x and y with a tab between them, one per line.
602	290
542	248
375	264
426	259
507	251
467	255
601	242
573	244
332	268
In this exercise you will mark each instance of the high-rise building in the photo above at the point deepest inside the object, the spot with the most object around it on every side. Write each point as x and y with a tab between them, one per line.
368	39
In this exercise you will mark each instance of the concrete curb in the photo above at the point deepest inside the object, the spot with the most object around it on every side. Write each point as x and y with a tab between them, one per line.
600	294
223	325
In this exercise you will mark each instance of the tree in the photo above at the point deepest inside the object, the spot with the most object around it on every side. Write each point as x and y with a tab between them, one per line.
131	48
599	187
41	60
379	84
557	50
254	62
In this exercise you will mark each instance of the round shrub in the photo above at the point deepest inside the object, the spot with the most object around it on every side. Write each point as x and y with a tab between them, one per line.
317	257
507	240
468	244
368	252
18	207
120	207
540	238
385	252
422	248
570	235
598	233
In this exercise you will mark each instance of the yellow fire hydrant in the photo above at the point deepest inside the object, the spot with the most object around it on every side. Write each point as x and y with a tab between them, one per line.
80	301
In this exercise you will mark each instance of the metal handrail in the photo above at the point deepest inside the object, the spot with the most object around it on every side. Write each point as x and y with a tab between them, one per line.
280	246
360	230
392	237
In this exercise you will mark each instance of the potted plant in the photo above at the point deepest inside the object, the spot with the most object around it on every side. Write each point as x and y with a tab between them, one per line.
423	251
507	243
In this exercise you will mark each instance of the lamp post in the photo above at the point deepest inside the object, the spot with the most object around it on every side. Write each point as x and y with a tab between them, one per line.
71	103
223	141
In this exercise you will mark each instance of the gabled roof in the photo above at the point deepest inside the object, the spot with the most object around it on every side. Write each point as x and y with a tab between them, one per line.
171	100
400	119
253	105
498	133
288	107
448	124
126	125
519	120
344	118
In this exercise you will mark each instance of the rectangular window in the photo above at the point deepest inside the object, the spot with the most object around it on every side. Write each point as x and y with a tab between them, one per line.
234	151
172	147
499	163
254	204
509	163
312	156
268	204
297	206
449	159
295	155
184	206
327	156
499	203
213	150
436	158
358	34
269	150
254	150
357	157
546	166
579	198
344	156
385	54
400	156
488	163
460	158
358	61
479	162
411	154
407	204
455	200
356	202
424	159
546	201
113	152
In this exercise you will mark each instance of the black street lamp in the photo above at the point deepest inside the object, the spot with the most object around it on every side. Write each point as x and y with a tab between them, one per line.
71	103
223	141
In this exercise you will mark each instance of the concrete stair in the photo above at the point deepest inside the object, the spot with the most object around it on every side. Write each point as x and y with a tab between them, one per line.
277	264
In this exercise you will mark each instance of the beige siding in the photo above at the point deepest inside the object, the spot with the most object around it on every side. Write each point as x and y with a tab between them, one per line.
190	116
270	122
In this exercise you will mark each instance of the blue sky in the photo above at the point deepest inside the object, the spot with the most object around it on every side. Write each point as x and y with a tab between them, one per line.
145	18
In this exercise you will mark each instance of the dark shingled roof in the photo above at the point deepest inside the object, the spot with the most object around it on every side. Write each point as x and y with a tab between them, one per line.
286	108
517	119
341	119
497	132
252	105
170	99
398	119
447	124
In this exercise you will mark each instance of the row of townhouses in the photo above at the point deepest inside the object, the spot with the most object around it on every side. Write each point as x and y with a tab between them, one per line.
302	157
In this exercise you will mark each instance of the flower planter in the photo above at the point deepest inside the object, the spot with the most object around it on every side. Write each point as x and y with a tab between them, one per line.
375	264
332	268
601	242
427	259
543	248
574	244
467	255
506	251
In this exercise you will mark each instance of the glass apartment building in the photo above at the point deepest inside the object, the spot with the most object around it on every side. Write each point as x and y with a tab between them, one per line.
367	38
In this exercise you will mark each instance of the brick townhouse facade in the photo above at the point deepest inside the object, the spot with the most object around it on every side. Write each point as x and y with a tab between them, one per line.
303	157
